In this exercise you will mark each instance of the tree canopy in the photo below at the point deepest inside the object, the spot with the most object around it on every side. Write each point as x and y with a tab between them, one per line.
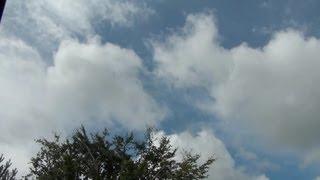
102	156
6	173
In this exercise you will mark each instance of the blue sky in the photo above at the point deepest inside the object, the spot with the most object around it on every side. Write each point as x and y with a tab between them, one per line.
238	79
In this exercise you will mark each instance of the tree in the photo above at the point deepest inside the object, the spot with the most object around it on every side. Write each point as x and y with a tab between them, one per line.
5	172
102	156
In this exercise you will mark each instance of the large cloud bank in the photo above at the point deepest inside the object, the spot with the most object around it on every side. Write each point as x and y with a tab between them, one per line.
271	91
55	73
88	82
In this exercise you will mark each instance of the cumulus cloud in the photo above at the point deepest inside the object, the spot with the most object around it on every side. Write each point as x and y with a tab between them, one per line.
88	83
21	91
206	144
270	91
44	23
275	88
94	81
186	57
85	82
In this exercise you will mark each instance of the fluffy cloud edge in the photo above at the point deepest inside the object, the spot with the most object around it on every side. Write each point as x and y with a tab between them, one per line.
269	90
207	145
88	83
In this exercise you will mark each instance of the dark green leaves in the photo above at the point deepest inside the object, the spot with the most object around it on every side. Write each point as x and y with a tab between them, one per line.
100	156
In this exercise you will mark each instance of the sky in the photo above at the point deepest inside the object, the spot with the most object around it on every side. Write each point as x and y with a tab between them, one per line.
237	79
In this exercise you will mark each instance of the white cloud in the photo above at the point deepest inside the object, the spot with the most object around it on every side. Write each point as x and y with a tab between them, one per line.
270	91
94	81
89	83
186	58
21	93
274	88
45	23
206	144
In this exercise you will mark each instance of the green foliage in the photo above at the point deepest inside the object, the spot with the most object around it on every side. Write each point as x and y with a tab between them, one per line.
102	156
5	172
